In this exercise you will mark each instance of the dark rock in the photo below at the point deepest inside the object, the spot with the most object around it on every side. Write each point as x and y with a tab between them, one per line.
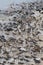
26	60
26	56
42	58
36	48
2	38
20	63
42	8
11	39
15	25
9	29
37	60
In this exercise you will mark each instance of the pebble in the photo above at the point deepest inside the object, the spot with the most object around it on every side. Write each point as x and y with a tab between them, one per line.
22	49
2	60
11	60
2	38
37	60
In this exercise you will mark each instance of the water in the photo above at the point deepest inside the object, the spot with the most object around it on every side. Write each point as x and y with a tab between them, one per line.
6	3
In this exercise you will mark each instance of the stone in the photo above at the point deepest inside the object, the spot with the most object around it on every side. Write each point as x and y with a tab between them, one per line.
11	39
36	48
9	29
37	60
11	60
2	60
2	38
22	49
41	37
42	58
40	43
